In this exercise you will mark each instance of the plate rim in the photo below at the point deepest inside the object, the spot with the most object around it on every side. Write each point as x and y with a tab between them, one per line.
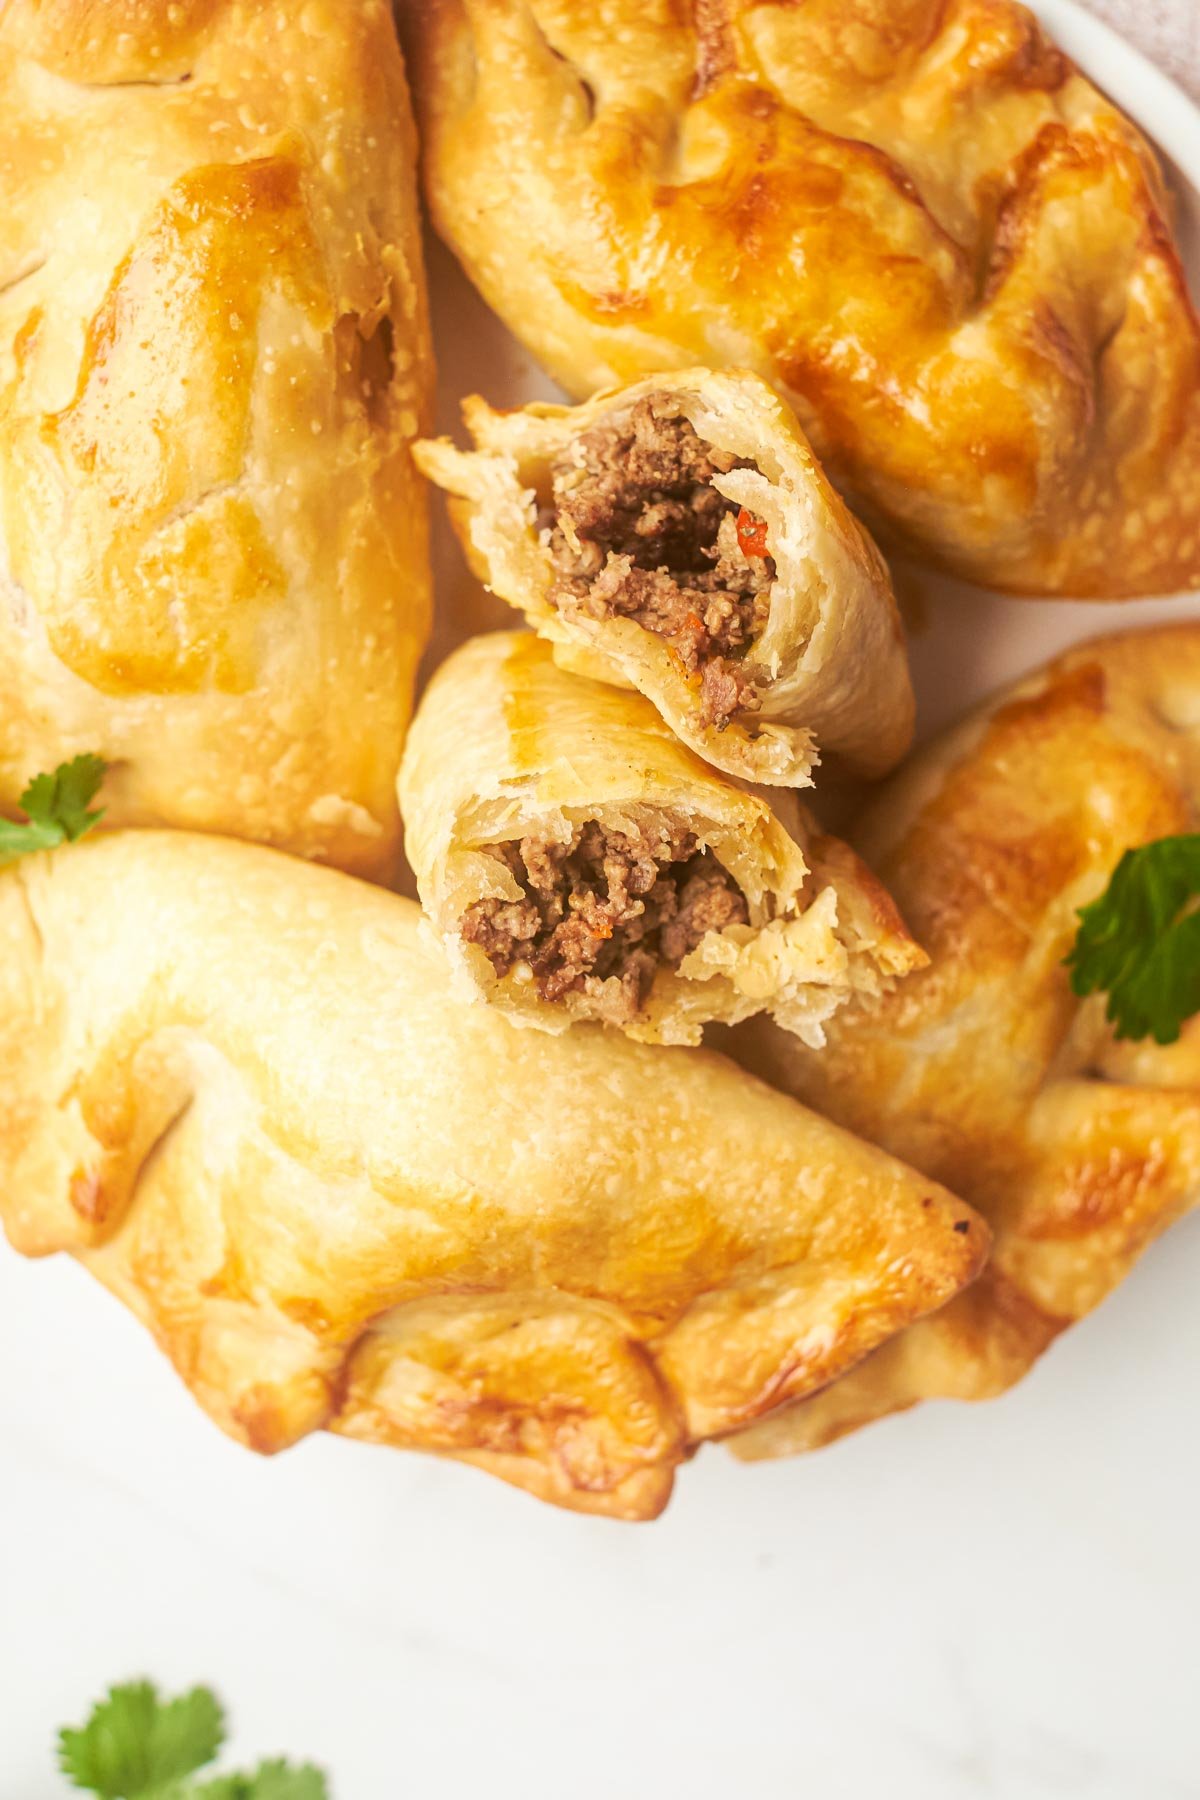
1163	110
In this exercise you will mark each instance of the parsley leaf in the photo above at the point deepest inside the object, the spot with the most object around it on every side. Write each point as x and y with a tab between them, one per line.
137	1746
1140	941
56	809
134	1742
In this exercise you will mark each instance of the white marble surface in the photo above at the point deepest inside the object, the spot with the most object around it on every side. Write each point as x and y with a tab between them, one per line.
998	1601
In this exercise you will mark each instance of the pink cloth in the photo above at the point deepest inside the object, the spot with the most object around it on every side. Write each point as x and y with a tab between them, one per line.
1168	31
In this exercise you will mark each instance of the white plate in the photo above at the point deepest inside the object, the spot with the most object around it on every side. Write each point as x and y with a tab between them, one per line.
997	1601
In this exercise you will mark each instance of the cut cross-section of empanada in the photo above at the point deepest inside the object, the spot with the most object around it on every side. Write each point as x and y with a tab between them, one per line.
579	862
679	537
237	1086
987	1071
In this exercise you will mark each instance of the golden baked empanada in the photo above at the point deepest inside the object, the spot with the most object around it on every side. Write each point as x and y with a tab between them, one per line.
213	358
679	537
984	1069
237	1087
949	249
578	862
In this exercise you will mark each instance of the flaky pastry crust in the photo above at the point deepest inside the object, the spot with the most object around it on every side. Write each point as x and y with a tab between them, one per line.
984	1069
506	746
832	652
916	216
213	358
237	1087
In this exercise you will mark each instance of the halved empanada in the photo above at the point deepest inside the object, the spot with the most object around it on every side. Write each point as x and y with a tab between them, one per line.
238	1088
678	537
945	246
579	862
986	1071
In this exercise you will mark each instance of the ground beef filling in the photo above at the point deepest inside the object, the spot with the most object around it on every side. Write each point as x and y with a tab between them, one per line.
598	915
637	531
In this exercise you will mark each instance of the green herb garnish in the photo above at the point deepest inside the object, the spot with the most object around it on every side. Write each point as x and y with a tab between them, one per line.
1140	941
56	809
138	1746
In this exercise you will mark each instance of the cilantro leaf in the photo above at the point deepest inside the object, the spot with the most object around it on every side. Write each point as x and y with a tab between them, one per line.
56	809
274	1780
137	1746
66	795
135	1743
21	840
1140	941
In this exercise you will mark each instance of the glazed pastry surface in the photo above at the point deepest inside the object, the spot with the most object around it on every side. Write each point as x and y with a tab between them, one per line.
238	1088
507	750
213	358
951	252
985	1070
826	657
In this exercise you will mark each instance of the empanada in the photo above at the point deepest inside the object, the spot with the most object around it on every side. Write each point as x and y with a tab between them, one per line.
237	1087
213	358
579	862
679	537
950	251
984	1069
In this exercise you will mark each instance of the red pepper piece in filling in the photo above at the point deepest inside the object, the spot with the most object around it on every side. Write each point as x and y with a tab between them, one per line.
751	533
